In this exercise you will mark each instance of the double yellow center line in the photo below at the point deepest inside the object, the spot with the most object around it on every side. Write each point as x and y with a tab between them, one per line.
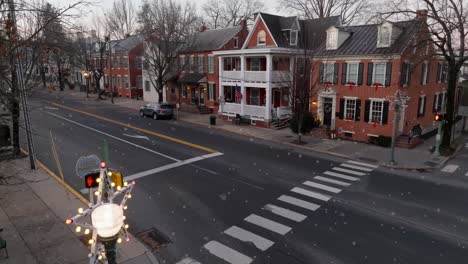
173	139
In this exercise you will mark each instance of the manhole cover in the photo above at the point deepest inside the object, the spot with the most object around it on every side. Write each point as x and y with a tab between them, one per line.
368	159
154	239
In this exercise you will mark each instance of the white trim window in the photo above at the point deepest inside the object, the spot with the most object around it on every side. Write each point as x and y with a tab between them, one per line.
192	63
293	38
422	105
118	82
425	70
201	64
182	63
350	109
329	72
211	63
236	42
261	37
378	74
376	111
211	91
352	72
147	86
254	96
139	82
124	62
127	83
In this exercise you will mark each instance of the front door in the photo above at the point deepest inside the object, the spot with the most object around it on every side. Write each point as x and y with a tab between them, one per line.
276	99
327	111
202	95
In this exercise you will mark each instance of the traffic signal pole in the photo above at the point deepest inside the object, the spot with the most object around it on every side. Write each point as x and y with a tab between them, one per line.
438	138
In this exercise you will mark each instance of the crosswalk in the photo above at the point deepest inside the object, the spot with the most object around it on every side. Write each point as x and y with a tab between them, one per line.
260	229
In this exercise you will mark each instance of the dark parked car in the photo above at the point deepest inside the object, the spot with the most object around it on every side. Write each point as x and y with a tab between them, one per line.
157	110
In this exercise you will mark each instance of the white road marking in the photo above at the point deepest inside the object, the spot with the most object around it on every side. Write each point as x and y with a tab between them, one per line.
171	166
342	176
247	236
312	194
363	164
356	167
299	202
50	108
349	171
136	136
268	224
285	212
466	174
114	137
451	168
188	260
226	253
322	187
320	178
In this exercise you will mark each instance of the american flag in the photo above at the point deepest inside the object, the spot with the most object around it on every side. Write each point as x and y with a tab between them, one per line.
238	95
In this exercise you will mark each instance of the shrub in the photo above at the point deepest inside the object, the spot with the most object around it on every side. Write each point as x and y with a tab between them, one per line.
384	141
307	123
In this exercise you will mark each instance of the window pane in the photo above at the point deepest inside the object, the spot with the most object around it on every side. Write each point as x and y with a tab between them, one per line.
353	73
376	112
379	73
329	72
350	109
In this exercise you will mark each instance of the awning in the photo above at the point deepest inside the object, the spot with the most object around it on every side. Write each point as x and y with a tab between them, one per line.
193	78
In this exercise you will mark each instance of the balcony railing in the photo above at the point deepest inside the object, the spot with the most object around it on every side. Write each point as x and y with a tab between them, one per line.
230	108
255	111
283	111
230	76
255	76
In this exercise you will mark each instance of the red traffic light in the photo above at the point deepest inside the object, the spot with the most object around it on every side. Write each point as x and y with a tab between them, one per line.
68	221
103	165
438	117
91	179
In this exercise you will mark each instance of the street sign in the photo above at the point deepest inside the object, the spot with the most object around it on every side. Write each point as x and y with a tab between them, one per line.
86	165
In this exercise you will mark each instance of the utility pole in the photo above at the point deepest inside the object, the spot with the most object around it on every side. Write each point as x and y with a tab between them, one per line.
110	67
18	87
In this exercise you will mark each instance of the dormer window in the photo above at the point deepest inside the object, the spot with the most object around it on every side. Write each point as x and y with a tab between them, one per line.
332	39
293	38
261	38
384	36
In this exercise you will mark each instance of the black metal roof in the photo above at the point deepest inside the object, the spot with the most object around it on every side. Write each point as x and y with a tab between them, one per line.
192	78
213	39
363	40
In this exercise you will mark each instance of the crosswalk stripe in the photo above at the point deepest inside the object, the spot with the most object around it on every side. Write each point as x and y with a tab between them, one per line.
342	176
299	202
356	167
188	260
285	212
322	187
268	224
349	171
247	236
226	253
325	179
363	164
312	194
451	168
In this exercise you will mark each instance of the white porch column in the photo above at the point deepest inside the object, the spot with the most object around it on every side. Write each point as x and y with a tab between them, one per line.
242	85
221	87
268	87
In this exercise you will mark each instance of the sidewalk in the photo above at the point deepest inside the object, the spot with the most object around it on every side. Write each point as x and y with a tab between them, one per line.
33	206
419	158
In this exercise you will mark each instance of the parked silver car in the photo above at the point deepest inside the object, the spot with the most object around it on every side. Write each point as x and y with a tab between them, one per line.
157	110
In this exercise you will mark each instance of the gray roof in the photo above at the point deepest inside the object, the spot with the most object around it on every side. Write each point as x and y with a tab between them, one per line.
213	39
310	29
363	40
192	78
127	44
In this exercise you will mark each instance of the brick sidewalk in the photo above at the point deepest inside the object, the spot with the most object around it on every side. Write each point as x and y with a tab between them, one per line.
33	207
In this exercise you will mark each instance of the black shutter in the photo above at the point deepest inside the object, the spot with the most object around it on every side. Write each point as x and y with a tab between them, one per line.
385	113
439	68
214	93
367	111
361	69
428	73
321	72
341	113
370	67
424	106
357	116
419	106
404	68
410	70
434	104
439	103
423	69
388	74
335	75
344	71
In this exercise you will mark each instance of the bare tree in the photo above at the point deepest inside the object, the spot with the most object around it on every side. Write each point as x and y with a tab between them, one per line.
121	20
168	28
228	13
447	32
349	10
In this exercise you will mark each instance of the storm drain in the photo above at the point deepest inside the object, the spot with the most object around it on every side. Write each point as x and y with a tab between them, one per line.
153	239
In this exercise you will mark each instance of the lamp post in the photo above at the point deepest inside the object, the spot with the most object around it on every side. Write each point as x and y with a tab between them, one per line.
107	219
399	103
87	75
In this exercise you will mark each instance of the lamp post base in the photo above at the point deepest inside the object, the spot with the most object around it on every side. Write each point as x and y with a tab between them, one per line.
109	245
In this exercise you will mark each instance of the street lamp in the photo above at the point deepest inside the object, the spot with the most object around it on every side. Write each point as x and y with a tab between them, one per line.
107	219
87	75
399	103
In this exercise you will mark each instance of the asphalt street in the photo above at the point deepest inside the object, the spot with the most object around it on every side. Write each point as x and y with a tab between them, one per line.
225	198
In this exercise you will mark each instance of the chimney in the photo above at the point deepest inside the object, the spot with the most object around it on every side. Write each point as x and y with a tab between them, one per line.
203	28
421	14
243	23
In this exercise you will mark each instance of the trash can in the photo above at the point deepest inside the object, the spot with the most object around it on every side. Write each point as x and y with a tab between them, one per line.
213	120
5	139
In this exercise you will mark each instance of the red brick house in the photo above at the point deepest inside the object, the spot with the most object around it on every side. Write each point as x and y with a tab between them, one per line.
360	69
126	67
198	81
